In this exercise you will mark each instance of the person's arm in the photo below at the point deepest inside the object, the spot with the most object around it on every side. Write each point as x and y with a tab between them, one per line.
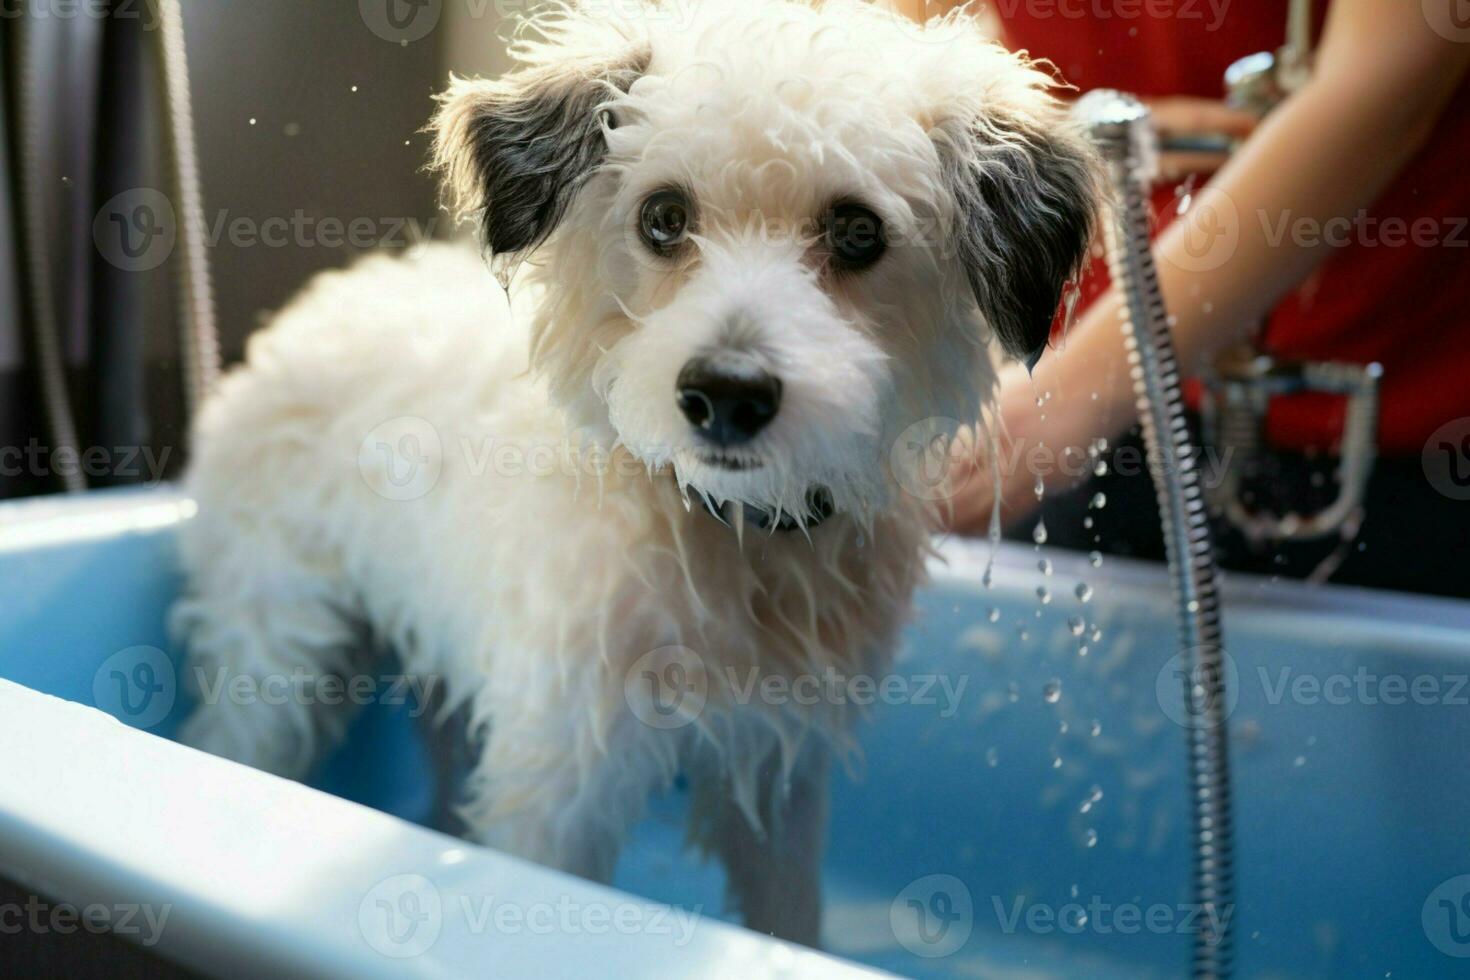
1381	78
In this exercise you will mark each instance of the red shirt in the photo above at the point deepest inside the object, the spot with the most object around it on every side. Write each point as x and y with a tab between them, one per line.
1396	294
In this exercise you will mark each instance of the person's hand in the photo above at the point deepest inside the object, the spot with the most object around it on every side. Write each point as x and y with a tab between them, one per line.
1207	119
970	506
1046	442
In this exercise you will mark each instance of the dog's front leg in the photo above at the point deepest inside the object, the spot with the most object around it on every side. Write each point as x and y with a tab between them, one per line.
546	790
775	873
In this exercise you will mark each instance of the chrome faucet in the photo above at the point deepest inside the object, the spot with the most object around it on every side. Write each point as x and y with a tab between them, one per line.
1239	386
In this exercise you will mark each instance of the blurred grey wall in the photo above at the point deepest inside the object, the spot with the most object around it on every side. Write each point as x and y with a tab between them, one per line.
308	115
307	120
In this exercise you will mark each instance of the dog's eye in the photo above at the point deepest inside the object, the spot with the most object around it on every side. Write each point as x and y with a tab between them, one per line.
855	236
664	222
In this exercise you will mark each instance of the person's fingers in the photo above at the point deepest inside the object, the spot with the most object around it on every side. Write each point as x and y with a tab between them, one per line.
1182	115
969	504
1204	120
1176	166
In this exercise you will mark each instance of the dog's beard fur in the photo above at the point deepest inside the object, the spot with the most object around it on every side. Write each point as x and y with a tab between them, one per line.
836	382
767	113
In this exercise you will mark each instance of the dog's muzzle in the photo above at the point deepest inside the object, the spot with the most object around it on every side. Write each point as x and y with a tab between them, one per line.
819	506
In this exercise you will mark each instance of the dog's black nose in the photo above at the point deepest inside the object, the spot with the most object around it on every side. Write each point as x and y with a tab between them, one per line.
728	397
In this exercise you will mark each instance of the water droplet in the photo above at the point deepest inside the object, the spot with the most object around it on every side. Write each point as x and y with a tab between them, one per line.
1299	761
994	616
1044	566
1095	558
1025	636
354	88
1096	636
1082	650
1052	691
1040	488
1056	763
1091	837
1043	594
1096	728
1087	523
1076	625
1039	533
1101	469
992	757
1099	501
1013	693
1084	592
1075	892
1064	728
253	120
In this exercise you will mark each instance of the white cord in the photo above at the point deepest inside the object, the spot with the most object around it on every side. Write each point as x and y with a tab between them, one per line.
44	325
198	331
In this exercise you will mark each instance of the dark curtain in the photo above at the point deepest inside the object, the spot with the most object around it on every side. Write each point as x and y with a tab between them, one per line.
304	116
78	109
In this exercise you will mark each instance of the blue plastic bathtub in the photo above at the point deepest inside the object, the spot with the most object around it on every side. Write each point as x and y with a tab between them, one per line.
1018	810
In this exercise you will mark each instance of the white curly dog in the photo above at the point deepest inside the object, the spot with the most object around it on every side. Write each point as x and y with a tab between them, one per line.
763	252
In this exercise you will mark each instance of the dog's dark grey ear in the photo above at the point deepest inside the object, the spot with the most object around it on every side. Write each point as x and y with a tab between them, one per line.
513	151
1027	200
